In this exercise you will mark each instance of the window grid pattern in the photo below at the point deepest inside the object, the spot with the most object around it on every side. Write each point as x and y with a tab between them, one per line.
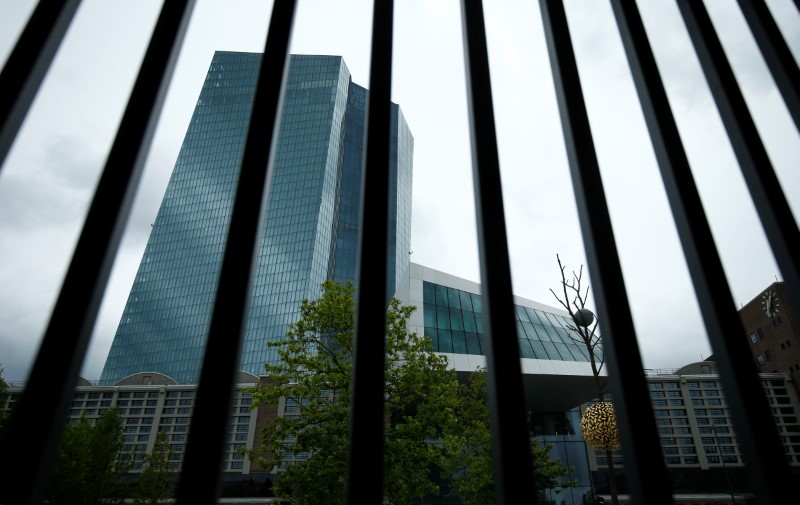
453	320
170	412
700	433
311	222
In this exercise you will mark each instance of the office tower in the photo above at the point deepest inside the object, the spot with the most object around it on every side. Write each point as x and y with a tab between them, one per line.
311	224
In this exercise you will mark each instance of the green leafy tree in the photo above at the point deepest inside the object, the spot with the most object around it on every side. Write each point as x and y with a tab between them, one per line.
87	470
469	446
313	378
155	483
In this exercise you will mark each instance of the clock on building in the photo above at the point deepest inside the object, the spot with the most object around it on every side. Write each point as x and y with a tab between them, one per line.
769	303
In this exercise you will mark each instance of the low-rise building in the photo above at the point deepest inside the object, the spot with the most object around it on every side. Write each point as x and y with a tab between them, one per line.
698	438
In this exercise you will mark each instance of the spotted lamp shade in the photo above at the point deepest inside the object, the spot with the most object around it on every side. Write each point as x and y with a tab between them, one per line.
599	426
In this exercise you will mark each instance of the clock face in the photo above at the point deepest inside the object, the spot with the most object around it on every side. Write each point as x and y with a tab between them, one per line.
769	303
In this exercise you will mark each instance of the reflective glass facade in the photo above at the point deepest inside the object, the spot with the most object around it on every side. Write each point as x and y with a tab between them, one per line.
310	228
454	323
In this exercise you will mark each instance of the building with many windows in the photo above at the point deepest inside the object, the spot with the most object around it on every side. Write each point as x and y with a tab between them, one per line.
149	403
698	438
556	372
555	364
311	222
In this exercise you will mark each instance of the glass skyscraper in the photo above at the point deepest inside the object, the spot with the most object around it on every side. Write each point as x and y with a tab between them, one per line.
311	224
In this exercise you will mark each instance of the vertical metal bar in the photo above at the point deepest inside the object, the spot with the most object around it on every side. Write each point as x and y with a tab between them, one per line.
776	53
36	425
202	467
513	468
644	463
765	189
27	65
762	449
366	451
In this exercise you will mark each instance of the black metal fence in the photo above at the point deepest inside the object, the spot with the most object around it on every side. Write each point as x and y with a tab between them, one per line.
30	441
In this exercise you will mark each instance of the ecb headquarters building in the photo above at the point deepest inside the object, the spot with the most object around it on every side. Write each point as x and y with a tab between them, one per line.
311	225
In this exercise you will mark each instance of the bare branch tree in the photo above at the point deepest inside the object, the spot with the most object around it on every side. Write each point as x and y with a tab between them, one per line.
575	298
587	335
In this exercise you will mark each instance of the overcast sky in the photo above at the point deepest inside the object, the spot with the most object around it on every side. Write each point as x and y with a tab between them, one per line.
48	179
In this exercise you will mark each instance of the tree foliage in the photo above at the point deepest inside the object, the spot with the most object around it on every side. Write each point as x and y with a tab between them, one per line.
313	377
469	447
87	470
155	483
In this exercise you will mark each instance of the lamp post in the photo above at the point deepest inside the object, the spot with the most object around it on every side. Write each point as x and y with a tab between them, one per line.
724	468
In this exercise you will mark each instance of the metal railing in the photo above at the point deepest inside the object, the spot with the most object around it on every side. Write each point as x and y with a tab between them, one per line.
30	441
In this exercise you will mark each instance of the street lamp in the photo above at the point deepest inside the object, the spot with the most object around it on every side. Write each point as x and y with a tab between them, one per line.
724	468
598	422
583	317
